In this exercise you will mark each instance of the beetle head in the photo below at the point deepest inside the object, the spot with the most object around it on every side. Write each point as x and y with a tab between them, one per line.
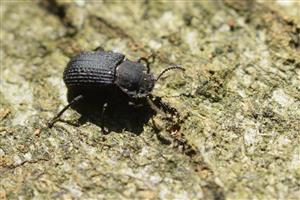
133	79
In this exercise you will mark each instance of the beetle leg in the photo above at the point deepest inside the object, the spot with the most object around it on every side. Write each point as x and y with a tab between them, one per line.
55	119
102	118
154	107
98	49
146	60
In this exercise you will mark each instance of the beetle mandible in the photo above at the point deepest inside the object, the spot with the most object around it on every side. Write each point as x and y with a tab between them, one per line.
102	71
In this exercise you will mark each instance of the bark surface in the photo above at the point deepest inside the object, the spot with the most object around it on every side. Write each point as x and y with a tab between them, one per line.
236	134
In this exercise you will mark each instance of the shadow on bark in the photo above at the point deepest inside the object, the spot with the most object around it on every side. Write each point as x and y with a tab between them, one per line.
121	112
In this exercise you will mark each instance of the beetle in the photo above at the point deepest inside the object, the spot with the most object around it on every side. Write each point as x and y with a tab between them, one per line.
104	72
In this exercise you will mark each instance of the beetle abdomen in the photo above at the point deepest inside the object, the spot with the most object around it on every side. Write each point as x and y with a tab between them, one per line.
92	69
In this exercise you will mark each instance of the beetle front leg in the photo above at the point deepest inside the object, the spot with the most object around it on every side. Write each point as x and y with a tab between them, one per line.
146	60
154	107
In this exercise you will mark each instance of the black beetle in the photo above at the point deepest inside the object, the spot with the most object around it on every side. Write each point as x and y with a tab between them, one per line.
103	72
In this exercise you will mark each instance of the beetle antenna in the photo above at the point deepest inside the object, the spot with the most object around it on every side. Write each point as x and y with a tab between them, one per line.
168	69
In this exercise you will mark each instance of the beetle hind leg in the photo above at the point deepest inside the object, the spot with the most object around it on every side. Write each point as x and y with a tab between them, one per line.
56	118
